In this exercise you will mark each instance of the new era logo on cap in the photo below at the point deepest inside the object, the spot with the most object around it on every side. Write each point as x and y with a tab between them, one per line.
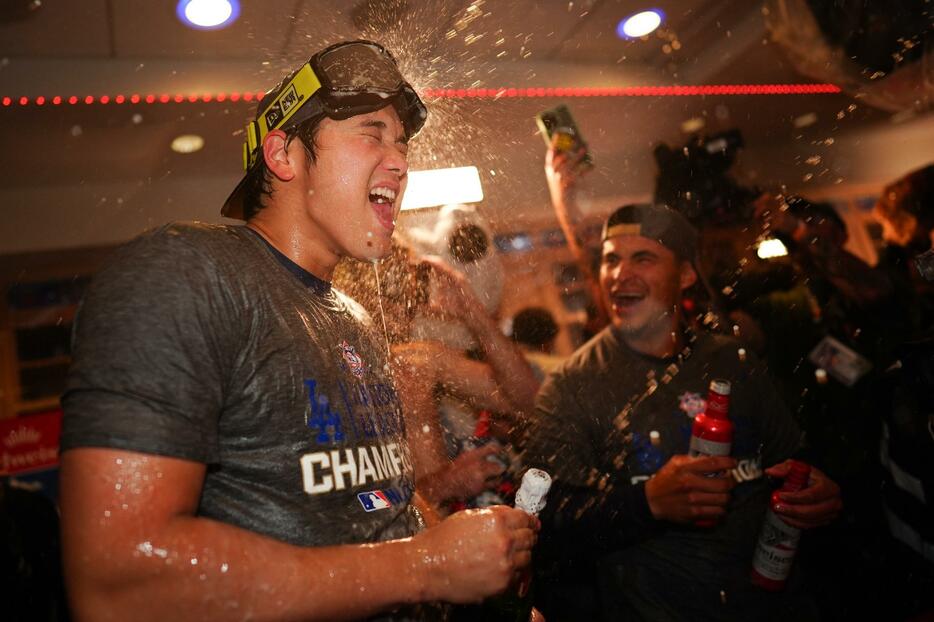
373	500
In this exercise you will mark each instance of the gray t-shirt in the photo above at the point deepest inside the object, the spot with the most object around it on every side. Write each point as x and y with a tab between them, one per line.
594	433
199	343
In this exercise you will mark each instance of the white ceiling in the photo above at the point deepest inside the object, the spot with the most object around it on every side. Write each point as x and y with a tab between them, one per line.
96	174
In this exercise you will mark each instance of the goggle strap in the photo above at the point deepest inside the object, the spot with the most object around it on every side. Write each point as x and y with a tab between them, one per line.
251	144
290	99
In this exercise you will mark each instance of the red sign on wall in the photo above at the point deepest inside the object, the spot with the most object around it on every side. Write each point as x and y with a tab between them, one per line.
30	442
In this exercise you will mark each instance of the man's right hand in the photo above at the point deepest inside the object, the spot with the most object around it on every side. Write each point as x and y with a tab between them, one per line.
474	554
681	492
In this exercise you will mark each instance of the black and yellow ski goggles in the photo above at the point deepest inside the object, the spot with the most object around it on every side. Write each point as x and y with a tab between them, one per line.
339	82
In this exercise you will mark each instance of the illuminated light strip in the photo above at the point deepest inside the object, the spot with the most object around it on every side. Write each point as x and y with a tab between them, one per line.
558	91
638	91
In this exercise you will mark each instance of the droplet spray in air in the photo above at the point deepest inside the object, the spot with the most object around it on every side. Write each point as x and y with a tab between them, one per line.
382	312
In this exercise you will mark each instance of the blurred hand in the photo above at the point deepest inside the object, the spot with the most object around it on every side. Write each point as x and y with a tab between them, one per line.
816	505
563	170
472	472
451	293
681	492
475	553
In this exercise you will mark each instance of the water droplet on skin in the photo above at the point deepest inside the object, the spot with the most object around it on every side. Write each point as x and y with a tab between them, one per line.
194	561
224	568
426	428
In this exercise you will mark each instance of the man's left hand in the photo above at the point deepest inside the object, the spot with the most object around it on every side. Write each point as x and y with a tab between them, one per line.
815	506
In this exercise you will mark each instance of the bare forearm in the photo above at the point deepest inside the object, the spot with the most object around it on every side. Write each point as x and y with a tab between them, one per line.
416	374
569	217
510	369
196	568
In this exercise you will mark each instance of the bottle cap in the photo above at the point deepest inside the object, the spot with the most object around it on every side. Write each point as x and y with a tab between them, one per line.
721	387
531	494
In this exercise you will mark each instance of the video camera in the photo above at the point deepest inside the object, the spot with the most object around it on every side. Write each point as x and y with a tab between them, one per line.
694	180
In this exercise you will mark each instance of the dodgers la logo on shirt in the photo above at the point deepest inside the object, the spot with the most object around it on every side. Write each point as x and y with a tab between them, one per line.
353	360
373	500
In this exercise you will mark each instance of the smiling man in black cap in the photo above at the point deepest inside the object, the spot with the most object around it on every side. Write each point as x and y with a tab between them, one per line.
233	445
613	426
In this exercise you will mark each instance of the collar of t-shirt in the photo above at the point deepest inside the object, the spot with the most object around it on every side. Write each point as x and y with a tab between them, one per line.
319	286
688	336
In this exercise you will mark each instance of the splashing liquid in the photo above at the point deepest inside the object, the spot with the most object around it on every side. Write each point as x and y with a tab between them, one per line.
382	312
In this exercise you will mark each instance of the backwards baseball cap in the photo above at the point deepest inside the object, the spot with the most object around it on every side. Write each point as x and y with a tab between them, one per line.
340	81
656	222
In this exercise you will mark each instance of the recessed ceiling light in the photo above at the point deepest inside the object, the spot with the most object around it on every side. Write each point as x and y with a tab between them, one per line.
208	14
640	24
187	143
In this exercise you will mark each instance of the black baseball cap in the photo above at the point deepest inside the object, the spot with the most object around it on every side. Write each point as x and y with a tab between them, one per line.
657	222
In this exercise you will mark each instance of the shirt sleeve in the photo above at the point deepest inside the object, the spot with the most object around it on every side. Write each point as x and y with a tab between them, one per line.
148	372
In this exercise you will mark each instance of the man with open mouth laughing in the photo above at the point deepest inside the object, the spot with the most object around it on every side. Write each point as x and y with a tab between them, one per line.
613	426
233	443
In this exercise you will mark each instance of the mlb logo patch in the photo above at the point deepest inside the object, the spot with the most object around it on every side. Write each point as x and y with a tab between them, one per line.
352	359
374	500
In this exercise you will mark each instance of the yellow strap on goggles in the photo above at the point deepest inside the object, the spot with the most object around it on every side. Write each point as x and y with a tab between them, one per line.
292	97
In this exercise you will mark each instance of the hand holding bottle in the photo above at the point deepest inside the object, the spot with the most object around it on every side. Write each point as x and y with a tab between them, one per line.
816	505
474	554
682	492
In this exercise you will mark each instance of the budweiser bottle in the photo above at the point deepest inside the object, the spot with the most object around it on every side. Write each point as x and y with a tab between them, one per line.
778	541
712	432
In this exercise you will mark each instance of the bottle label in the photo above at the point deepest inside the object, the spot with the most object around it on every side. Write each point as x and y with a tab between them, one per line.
703	447
776	548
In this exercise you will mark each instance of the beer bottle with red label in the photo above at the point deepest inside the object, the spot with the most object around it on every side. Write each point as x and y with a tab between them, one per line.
778	542
712	432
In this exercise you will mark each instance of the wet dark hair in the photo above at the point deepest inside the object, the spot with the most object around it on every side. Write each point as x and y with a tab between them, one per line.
534	326
914	194
259	180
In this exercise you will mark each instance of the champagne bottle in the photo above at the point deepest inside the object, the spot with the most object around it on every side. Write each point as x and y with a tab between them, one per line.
515	604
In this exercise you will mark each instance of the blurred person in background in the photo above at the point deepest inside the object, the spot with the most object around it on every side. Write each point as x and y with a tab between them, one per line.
906	402
906	212
424	370
535	330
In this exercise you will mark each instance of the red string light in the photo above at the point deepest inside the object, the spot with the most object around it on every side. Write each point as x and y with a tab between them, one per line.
451	93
